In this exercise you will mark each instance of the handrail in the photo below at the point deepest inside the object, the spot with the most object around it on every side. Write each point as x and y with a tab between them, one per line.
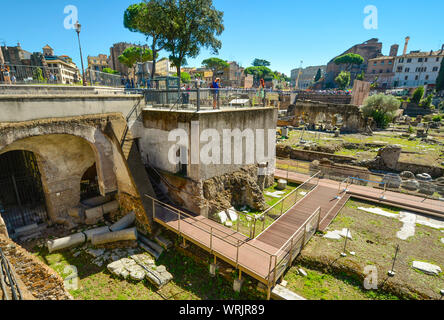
291	193
128	117
300	228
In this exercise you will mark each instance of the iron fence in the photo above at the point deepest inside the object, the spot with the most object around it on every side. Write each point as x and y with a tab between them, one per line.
97	78
22	74
210	98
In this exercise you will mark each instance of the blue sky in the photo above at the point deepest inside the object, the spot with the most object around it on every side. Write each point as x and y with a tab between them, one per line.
281	31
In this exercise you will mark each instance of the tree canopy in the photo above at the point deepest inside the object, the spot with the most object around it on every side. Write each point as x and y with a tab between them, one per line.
318	75
261	63
418	94
349	60
110	71
215	65
260	72
195	24
151	19
343	80
132	55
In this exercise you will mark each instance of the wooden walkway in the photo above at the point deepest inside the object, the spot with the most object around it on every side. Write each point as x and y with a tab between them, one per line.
404	201
260	257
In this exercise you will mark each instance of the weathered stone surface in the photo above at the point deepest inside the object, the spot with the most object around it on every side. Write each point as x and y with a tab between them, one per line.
232	214
391	180
66	242
122	235
282	184
279	292
426	188
163	242
407	175
427	268
95	252
390	155
411	185
423	177
124	223
95	215
89	233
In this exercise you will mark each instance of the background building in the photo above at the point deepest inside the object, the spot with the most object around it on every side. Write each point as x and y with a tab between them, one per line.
307	76
98	63
113	61
417	68
380	69
368	50
164	68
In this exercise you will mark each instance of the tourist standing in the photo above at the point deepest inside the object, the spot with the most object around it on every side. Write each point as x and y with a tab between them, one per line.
215	88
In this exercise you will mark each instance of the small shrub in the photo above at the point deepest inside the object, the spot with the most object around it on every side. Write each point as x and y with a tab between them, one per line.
418	94
437	118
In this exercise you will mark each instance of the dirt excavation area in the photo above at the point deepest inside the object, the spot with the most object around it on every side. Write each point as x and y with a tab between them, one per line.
374	232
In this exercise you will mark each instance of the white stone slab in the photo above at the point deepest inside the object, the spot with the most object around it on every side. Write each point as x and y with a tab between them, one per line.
427	268
334	235
408	228
380	212
222	217
232	214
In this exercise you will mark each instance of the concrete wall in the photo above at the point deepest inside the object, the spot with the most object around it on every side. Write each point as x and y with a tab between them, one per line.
15	108
157	124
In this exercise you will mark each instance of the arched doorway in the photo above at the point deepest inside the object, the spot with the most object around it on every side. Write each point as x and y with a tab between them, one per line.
22	200
89	184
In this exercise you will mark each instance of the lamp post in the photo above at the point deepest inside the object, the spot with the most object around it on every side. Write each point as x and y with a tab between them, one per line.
78	27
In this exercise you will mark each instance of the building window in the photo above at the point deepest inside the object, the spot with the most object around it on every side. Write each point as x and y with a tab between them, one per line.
426	59
409	60
406	78
380	71
375	63
427	77
407	69
416	77
390	62
437	59
400	69
435	69
401	60
419	59
382	63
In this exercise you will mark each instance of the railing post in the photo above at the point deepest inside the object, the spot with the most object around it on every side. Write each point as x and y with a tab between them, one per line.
179	222
211	240
319	219
291	251
154	209
237	254
303	237
275	267
198	99
263	222
254	228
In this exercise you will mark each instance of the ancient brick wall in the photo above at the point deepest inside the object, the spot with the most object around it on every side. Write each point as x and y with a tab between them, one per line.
40	280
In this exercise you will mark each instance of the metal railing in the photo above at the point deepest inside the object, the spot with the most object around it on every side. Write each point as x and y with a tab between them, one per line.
8	282
378	181
135	110
212	233
22	74
273	213
209	98
98	78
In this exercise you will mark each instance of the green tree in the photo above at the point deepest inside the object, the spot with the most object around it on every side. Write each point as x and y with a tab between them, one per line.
184	77
151	19
382	108
440	79
38	75
349	60
215	65
132	55
260	63
343	80
427	102
195	24
318	75
110	71
360	76
418	94
260	73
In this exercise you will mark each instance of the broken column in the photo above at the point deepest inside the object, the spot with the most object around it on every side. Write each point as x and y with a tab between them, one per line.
124	223
66	242
122	235
94	215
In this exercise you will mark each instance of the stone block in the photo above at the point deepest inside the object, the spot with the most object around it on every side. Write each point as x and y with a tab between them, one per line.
237	284
282	184
213	269
124	223
122	235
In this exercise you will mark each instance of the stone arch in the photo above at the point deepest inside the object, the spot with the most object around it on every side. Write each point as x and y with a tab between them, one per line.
63	154
100	144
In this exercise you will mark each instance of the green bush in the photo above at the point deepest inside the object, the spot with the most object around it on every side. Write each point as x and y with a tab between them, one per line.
382	108
418	94
437	118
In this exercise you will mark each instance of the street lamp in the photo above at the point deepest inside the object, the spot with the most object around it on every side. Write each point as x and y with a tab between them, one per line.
78	27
